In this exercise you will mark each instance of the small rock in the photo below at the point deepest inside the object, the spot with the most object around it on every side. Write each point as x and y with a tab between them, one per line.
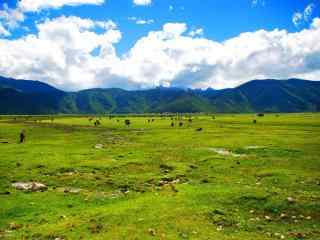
268	218
283	215
291	200
152	232
72	190
299	235
219	228
98	146
30	186
14	226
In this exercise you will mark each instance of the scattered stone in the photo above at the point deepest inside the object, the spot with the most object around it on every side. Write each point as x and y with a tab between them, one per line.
253	147
219	228
98	146
280	236
72	190
30	186
291	200
152	232
268	218
14	226
298	235
283	215
226	152
69	173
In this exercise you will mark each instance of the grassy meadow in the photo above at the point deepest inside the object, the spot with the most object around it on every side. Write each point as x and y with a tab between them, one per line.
220	177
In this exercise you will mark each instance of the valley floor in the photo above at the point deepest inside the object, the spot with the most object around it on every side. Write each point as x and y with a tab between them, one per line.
220	177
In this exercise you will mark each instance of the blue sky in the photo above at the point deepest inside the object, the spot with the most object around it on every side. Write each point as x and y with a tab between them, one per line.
213	21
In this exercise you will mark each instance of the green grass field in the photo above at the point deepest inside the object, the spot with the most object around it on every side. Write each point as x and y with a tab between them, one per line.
232	180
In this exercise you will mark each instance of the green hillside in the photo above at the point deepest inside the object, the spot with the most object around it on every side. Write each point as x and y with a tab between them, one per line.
33	97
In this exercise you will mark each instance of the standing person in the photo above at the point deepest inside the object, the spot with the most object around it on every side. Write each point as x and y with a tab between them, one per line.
22	136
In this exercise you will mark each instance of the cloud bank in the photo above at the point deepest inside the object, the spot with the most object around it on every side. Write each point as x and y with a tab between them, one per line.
74	53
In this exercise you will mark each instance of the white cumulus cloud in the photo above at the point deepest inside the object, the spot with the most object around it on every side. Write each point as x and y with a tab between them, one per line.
196	32
38	5
3	31
61	52
299	18
255	3
140	21
71	54
142	2
12	17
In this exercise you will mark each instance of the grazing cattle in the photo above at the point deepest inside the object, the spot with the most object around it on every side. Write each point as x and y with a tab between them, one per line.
127	122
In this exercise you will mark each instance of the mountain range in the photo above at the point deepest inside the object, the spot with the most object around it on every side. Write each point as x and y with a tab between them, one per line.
35	97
